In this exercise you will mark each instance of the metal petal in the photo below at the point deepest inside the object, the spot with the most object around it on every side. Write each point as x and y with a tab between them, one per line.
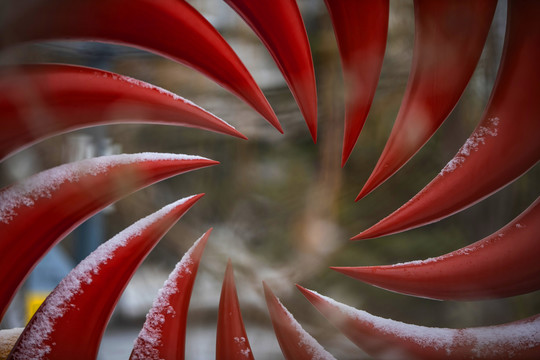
38	101
163	335
503	146
170	28
390	339
449	39
38	212
273	22
71	321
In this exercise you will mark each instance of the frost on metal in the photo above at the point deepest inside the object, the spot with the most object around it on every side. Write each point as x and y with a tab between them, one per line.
312	347
473	143
149	338
244	345
34	341
170	307
500	341
42	185
294	341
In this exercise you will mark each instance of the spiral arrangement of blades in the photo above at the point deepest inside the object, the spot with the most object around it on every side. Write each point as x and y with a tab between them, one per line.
392	142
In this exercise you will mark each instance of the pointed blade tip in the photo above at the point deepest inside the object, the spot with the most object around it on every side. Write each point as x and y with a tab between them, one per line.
362	193
346	152
313	131
344	270
238	134
359	236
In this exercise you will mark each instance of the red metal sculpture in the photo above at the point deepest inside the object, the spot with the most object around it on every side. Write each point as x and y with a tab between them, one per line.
503	146
163	335
277	20
38	101
55	201
231	340
500	265
71	321
449	38
170	28
389	339
295	342
361	28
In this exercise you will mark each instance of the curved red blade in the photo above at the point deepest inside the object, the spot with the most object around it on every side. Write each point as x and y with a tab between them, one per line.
71	321
449	38
503	146
170	28
231	341
295	342
389	339
361	28
273	22
38	101
37	213
163	335
500	265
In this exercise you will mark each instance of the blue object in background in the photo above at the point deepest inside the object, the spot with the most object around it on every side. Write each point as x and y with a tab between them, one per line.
47	274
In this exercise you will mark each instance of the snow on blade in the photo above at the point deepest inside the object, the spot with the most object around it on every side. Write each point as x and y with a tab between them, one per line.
163	333
231	340
503	146
39	212
502	264
41	185
444	59
295	342
382	337
472	144
83	301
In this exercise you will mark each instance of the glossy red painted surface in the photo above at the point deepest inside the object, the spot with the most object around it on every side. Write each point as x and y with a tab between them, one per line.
231	340
502	147
30	231
361	29
38	101
500	265
169	28
449	38
166	321
71	321
279	24
390	339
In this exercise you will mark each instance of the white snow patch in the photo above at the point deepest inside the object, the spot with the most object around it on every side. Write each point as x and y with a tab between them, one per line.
145	85
437	338
33	343
491	341
504	340
149	339
243	344
43	184
472	144
311	345
460	252
415	262
467	250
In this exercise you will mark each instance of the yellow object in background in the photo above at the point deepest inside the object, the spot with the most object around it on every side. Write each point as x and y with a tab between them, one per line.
33	300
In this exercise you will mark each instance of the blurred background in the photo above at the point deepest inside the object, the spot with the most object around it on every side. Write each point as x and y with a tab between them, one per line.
281	207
